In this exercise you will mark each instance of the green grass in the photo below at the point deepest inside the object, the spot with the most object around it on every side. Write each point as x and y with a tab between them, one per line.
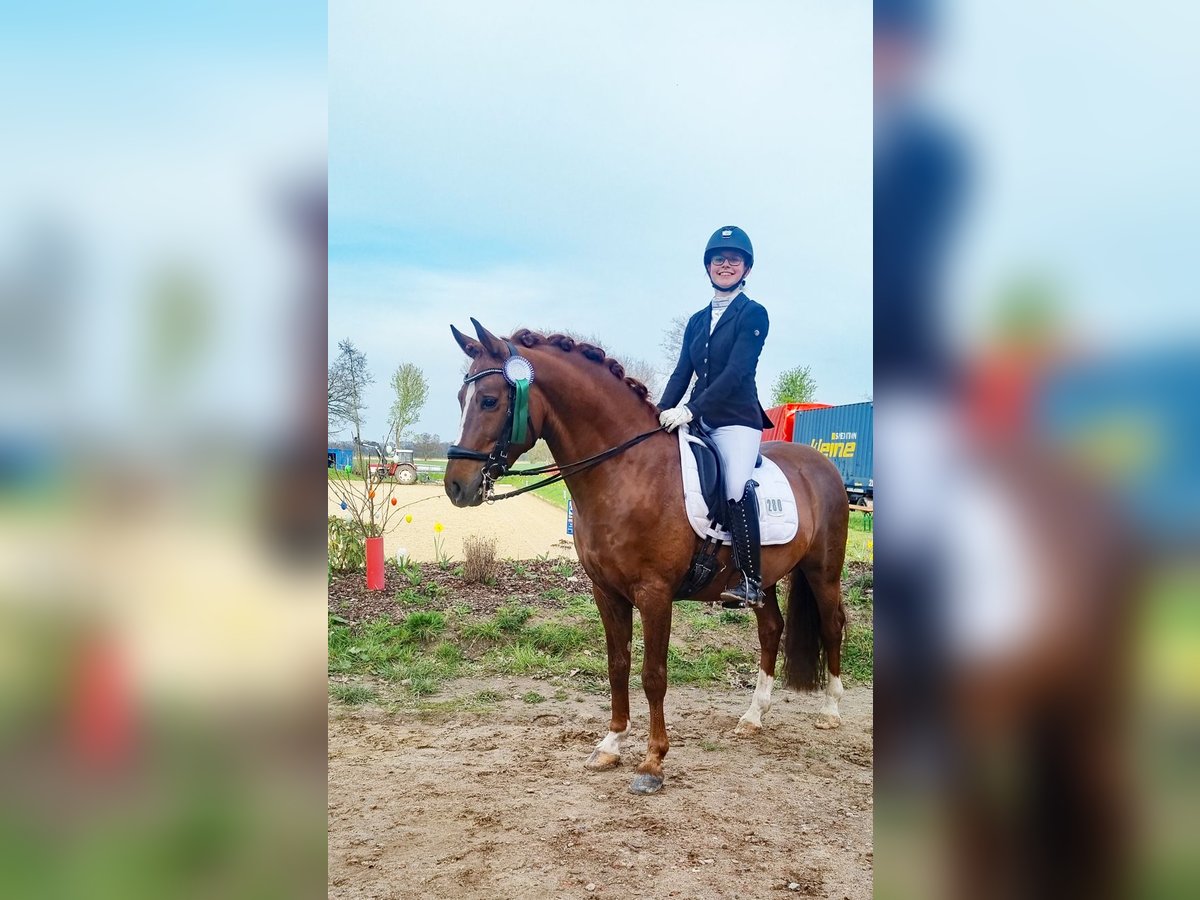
533	697
858	653
351	694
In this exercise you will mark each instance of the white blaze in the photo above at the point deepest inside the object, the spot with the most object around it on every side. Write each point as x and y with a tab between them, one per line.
462	424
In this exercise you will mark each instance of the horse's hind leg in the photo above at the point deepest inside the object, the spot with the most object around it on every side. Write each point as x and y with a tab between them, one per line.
827	587
770	627
617	615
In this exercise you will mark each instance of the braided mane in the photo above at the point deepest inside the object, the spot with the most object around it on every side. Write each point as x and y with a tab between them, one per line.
568	344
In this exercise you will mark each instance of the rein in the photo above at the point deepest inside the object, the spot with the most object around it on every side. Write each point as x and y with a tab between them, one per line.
575	468
518	372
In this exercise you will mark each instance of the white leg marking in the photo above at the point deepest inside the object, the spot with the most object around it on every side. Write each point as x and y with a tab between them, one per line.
462	424
759	703
614	741
833	693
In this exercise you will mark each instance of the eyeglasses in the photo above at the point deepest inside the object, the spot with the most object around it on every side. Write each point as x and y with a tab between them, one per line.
732	260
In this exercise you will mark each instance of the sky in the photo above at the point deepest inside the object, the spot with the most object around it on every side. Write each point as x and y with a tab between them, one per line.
561	166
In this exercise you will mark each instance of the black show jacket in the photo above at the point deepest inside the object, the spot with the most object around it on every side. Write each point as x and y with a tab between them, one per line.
724	363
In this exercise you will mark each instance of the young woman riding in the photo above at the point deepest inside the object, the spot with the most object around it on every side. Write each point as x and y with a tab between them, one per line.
721	346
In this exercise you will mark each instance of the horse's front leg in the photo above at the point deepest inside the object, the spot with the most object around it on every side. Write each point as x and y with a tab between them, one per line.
617	615
656	631
770	627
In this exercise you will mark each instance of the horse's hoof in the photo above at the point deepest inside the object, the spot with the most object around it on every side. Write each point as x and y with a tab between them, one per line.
826	722
646	784
599	761
746	728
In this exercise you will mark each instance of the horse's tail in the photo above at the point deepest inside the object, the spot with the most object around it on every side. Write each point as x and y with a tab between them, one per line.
803	652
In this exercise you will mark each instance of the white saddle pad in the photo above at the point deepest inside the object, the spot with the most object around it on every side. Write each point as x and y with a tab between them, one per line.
777	518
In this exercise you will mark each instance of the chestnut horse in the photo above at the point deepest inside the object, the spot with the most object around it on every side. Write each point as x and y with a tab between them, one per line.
631	531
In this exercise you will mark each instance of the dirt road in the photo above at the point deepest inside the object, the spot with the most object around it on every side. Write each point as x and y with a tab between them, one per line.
497	803
525	527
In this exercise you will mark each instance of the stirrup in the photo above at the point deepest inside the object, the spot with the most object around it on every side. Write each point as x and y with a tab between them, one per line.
746	593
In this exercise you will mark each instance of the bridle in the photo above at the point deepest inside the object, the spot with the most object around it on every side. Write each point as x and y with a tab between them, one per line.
518	373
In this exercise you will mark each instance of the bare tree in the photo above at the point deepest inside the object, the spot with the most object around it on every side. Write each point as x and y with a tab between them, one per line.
672	342
412	390
348	381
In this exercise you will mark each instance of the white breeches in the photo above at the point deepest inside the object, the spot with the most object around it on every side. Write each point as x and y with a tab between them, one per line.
739	452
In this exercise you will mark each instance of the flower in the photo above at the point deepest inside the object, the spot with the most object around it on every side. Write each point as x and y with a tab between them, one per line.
438	527
408	518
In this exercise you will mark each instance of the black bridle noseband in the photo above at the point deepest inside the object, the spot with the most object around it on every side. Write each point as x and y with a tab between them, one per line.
519	376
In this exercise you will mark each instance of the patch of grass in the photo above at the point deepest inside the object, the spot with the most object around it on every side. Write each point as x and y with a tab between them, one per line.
421	626
858	653
555	593
521	659
411	597
708	746
556	639
734	617
533	697
519	570
351	694
486	630
564	569
448	654
512	618
712	665
489	698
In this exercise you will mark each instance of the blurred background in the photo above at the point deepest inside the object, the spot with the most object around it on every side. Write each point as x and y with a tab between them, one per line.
162	331
1037	439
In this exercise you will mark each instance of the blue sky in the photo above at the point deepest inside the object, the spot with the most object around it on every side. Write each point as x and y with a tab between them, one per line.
562	165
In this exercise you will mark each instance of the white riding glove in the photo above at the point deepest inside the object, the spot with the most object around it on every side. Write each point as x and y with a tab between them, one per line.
673	418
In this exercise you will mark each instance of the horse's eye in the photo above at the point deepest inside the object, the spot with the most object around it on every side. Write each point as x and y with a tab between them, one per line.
490	402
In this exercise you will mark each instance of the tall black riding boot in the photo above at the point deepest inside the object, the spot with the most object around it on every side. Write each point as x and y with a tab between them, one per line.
743	526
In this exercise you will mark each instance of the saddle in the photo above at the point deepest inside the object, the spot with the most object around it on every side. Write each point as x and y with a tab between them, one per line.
709	470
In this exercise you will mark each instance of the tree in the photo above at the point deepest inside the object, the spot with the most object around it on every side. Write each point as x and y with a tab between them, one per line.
794	386
428	446
672	341
412	390
348	380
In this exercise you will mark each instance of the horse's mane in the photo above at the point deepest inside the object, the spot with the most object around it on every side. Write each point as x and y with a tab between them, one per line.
527	338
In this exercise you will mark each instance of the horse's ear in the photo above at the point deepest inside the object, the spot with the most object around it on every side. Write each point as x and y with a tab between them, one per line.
469	346
491	343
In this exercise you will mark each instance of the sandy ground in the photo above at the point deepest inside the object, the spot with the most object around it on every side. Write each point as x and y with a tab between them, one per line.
498	803
524	527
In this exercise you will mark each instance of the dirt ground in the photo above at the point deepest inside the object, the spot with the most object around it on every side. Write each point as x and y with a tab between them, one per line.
497	803
542	530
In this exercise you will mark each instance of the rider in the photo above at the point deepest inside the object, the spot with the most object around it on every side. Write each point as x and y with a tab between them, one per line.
721	345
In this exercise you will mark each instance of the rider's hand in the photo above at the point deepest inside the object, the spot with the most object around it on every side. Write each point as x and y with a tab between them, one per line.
673	418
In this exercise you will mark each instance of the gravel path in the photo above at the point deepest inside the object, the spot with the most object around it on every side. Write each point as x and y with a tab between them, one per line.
524	528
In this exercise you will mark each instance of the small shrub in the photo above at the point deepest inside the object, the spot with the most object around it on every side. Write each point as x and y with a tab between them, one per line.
347	552
479	563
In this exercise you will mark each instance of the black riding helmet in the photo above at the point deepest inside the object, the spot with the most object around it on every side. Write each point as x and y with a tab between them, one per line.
730	237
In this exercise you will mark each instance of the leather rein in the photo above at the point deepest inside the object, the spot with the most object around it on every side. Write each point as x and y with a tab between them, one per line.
519	377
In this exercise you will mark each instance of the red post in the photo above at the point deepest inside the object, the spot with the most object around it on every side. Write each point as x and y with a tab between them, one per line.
375	564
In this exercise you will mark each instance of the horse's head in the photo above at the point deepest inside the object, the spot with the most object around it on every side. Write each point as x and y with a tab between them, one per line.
497	421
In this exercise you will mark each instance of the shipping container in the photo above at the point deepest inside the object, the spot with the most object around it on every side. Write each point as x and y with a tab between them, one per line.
337	458
784	416
845	434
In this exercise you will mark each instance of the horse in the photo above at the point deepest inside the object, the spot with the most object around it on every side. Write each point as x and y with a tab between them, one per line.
631	531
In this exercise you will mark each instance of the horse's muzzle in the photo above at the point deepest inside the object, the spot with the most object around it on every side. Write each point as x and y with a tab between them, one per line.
467	492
